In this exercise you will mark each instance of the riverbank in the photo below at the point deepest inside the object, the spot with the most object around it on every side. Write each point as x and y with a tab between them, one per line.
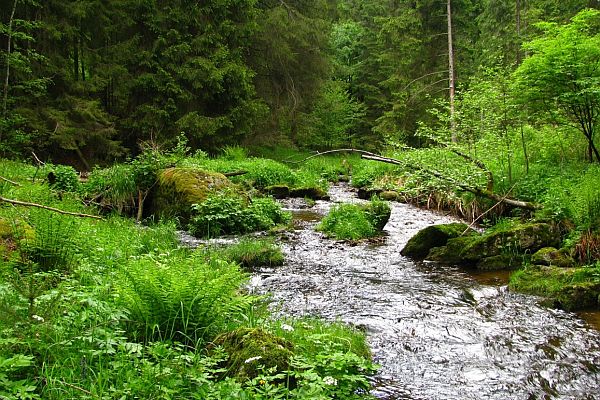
107	308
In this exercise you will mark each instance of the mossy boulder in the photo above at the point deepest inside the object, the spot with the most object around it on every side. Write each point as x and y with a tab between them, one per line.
6	228
309	192
552	256
366	194
420	245
580	296
249	350
569	289
515	239
178	188
390	195
510	243
278	191
499	262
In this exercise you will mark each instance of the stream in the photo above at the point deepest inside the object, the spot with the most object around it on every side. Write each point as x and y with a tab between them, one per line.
438	332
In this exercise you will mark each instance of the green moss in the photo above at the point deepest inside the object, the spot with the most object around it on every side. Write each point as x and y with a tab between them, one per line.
251	350
278	191
178	188
499	262
252	254
431	237
552	256
310	192
566	288
6	228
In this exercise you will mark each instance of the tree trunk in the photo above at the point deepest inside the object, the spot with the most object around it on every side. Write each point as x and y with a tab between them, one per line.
451	73
76	59
8	51
518	27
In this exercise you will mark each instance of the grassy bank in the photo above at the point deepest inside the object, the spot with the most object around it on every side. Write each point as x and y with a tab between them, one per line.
113	309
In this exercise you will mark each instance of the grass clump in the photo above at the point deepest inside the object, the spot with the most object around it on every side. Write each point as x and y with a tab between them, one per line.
354	222
255	253
347	221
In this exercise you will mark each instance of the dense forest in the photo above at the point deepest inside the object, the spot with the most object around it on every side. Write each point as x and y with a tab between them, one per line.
86	81
134	132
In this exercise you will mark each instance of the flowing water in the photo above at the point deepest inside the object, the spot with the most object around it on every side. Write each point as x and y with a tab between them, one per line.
438	332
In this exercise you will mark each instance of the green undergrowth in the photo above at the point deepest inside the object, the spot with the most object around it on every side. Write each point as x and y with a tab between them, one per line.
354	222
254	253
227	213
113	309
567	288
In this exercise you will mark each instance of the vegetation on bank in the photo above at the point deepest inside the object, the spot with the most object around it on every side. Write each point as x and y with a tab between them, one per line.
354	222
111	309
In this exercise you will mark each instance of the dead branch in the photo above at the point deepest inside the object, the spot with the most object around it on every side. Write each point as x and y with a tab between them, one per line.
361	152
9	181
476	191
26	204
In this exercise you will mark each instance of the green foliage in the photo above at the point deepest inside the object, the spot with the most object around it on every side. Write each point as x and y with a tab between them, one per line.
66	178
226	213
347	221
181	297
15	389
254	253
564	69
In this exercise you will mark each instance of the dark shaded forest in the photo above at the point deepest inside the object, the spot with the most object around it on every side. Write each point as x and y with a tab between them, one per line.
88	81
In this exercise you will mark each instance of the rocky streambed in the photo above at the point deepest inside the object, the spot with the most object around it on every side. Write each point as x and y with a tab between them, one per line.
438	331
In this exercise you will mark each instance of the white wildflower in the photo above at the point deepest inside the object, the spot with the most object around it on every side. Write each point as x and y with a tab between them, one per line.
37	318
248	361
287	327
329	380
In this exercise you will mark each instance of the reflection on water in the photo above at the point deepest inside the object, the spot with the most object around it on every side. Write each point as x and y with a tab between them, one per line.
438	332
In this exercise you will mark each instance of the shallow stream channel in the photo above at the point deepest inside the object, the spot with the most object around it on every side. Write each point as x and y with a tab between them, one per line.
437	332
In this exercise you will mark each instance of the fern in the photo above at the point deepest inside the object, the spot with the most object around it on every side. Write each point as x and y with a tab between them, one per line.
181	297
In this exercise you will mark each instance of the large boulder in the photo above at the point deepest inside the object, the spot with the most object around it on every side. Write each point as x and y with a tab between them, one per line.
431	237
250	351
499	247
514	239
178	189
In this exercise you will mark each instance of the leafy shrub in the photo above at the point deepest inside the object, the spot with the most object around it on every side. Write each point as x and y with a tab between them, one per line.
65	178
378	212
225	213
347	221
181	296
11	388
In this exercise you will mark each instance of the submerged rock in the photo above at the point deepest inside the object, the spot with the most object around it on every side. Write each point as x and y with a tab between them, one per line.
420	245
250	351
178	188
